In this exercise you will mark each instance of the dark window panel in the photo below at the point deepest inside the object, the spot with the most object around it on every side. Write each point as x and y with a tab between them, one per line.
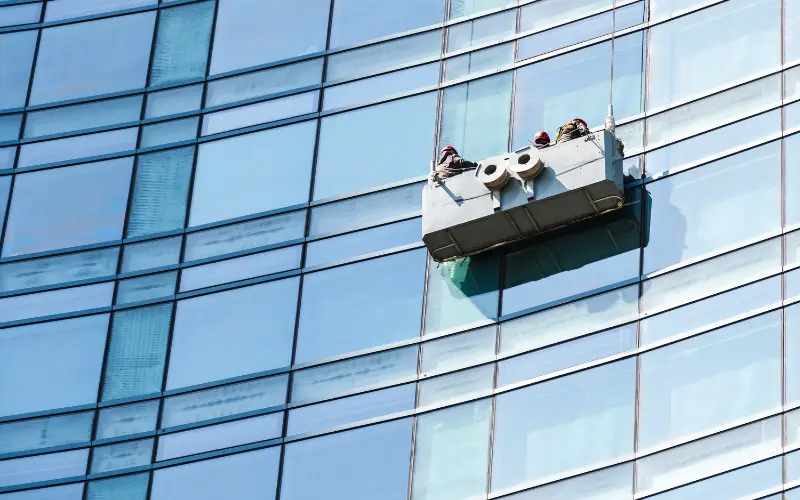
132	487
83	116
386	17
58	269
121	455
16	52
182	43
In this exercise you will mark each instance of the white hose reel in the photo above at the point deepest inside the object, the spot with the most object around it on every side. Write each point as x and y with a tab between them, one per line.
492	172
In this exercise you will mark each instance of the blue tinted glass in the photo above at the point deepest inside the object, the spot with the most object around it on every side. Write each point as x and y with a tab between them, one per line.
244	476
9	127
792	180
5	192
747	482
262	112
67	492
82	146
793	354
151	254
14	15
363	242
83	116
136	352
132	487
461	8
254	172
456	386
81	298
51	365
543	14
169	132
65	9
16	52
611	482
172	101
359	306
59	269
343	167
69	206
378	87
386	17
746	208
791	16
456	351
127	419
481	30
362	464
7	157
202	348
265	82
240	268
91	58
182	43
43	467
160	191
475	116
479	61
121	455
46	432
252	32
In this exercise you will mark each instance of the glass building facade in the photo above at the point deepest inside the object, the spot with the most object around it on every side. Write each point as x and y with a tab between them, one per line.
212	283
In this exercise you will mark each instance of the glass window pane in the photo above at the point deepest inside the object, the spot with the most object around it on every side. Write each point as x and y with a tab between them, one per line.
217	437
51	365
792	354
475	116
339	412
67	492
83	116
264	82
263	317
81	298
353	375
589	420
386	17
136	352
151	254
456	386
686	387
606	484
16	52
266	170
792	180
7	157
379	87
14	15
362	464
678	70
252	32
146	287
9	127
73	148
457	351
65	9
481	30
250	266
451	452
160	191
173	101
59	269
544	14
262	112
791	16
47	432
91	58
67	207
127	419
182	43
244	476
338	318
122	455
43	467
169	132
133	487
479	61
224	401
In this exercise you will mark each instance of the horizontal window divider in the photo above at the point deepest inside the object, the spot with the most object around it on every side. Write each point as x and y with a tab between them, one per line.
18	27
133	399
475	325
578	46
221	420
765	494
176	84
264	98
5	3
583	16
169	145
218	453
77	161
259	127
146	302
99	15
42	484
124	438
387	38
477	76
48	413
349	426
167	118
126	470
44	451
246	218
357	354
224	382
239	284
146	272
79	133
380	223
510	5
382	100
240	253
81	100
364	257
271	64
372	190
362	390
12	111
9	143
381	72
56	286
453	402
154	236
55	317
61	251
501	40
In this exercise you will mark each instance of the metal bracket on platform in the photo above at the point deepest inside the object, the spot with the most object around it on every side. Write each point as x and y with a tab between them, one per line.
495	199
527	185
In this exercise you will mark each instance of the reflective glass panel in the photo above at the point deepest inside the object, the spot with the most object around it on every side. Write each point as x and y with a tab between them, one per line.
132	487
170	132
461	8
43	467
173	101
264	82
14	15
73	148
791	16
262	112
7	157
122	455
612	483
127	419
379	87
66	492
80	298
146	287
47	432
16	52
456	386
9	127
479	61
250	266
59	269
793	354
66	9
456	351
386	17
792	180
481	30
151	254
543	14
83	116
182	43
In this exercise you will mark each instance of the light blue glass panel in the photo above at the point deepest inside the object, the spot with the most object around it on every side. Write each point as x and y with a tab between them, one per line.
82	146
747	208
792	253
51	365
59	269
65	9
161	191
383	56
363	242
686	387
83	116
610	483
262	112
16	52
146	287
451	452
336	318
9	127
792	466
224	401
254	173
791	44
81	298
203	349
589	420
68	492
792	428
456	351
365	211
339	412
182	43
792	116
168	132
47	432
67	207
7	157
792	354
133	487
546	13
151	254
488	59
252	32
342	166
250	266
379	87
362	464
245	235
386	17
244	476
121	455
713	311
173	101
481	30
353	375
475	117
741	483
217	437
14	15
264	82
127	419
91	58
749	29
456	386
461	8
792	180
5	192
661	9
43	467
567	355
136	352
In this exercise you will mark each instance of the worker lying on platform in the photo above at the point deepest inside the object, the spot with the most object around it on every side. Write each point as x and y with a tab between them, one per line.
450	164
572	130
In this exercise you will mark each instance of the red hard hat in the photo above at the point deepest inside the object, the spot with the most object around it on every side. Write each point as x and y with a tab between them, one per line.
580	120
541	137
446	148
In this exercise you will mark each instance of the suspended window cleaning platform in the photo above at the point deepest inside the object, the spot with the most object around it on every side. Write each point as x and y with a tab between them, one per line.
519	195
